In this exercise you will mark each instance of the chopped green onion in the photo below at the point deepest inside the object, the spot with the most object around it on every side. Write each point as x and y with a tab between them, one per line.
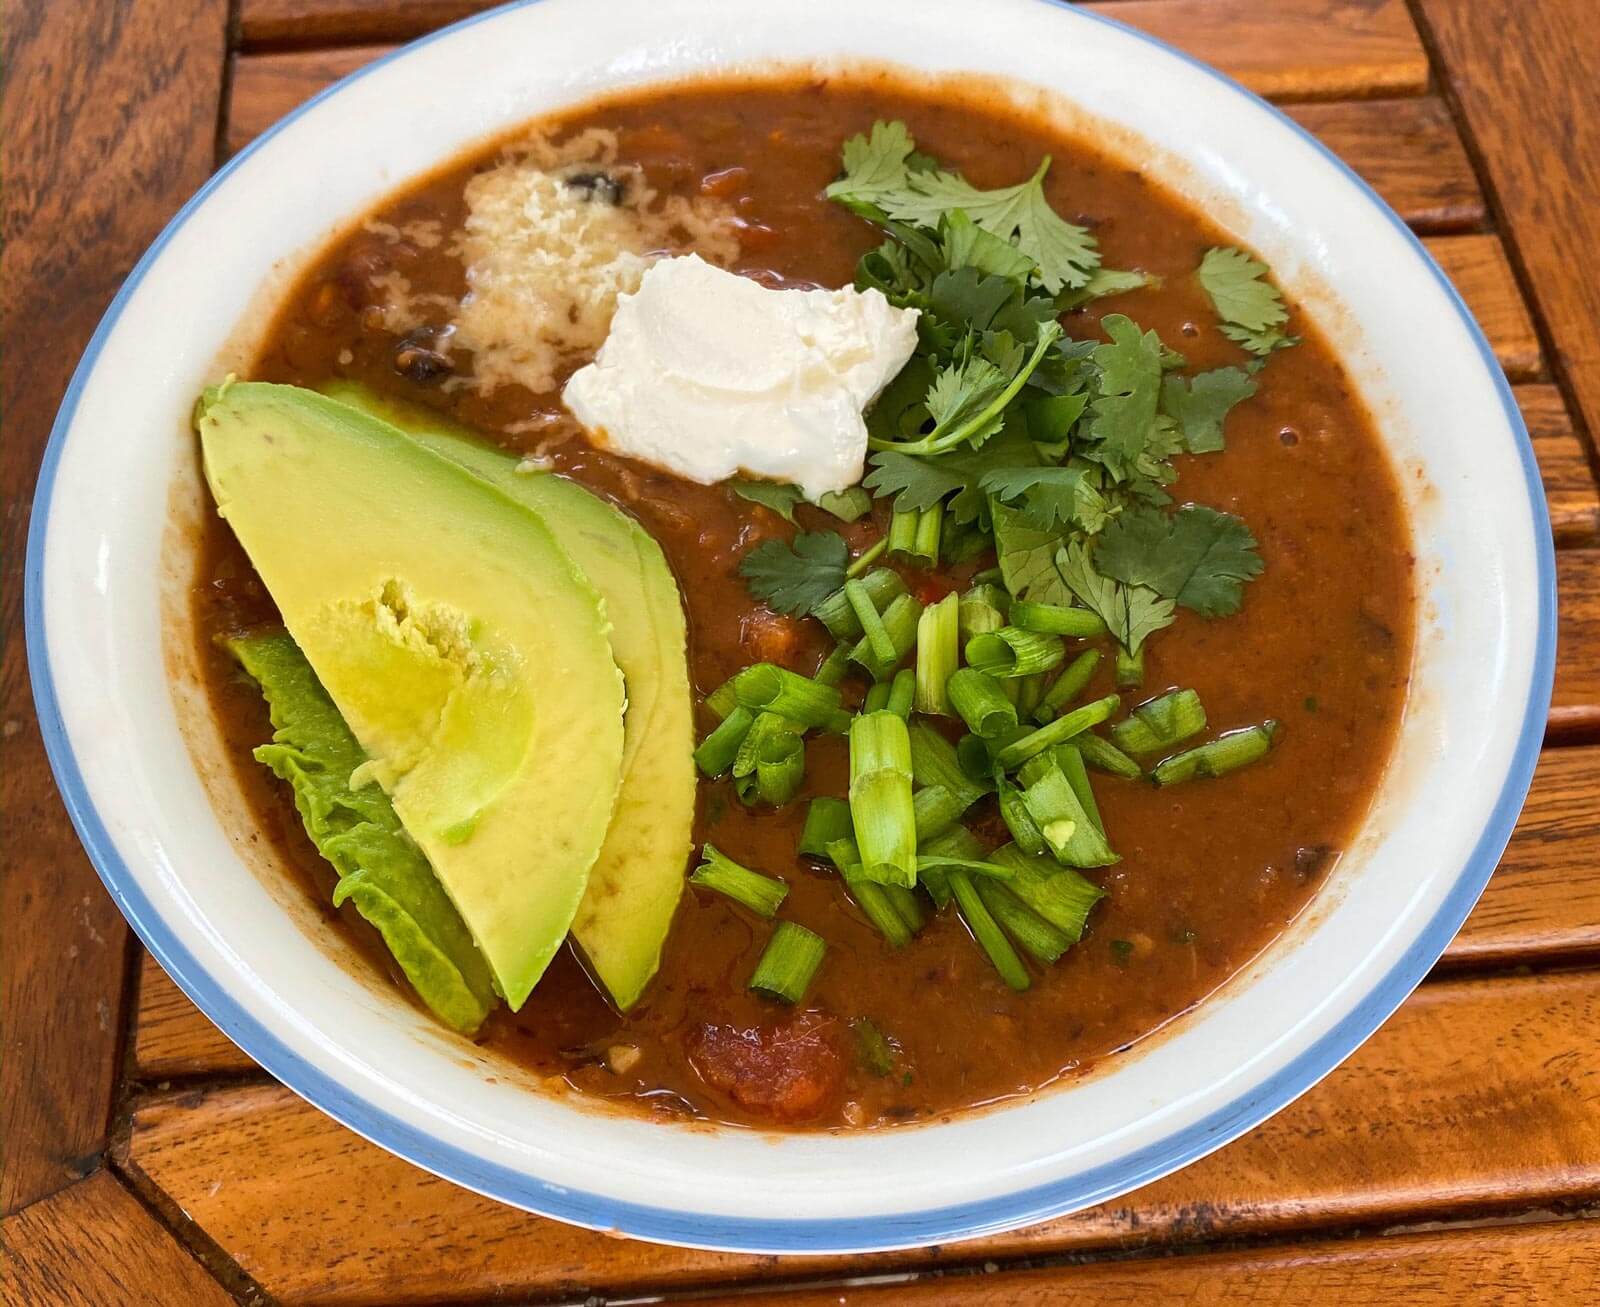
903	693
933	762
1063	728
866	558
938	653
880	798
1019	821
770	763
874	635
983	608
930	528
1030	689
1053	619
877	697
876	1052
980	701
1060	895
989	935
906	903
869	895
1070	760
788	963
1130	669
882	585
846	505
899	621
977	866
827	820
1072	682
936	810
1105	756
1036	935
761	894
833	668
722	700
766	687
1161	723
957	842
903	533
1073	837
1011	652
718	750
1218	757
975	760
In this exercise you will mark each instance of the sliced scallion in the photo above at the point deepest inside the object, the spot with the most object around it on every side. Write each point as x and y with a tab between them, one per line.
718	750
1071	834
1035	935
1060	895
875	1052
761	894
1011	652
1218	757
934	762
957	842
978	698
770	763
938	653
827	820
874	635
1162	723
1019	821
866	558
789	963
902	693
847	505
1063	728
766	687
975	760
869	895
877	697
927	862
930	529
1072	682
936	810
907	904
722	700
1130	669
881	806
1030	690
1105	756
833	668
982	609
882	585
1054	619
1070	760
985	930
899	622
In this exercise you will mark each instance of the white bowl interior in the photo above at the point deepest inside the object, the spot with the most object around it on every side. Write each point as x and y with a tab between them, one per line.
191	882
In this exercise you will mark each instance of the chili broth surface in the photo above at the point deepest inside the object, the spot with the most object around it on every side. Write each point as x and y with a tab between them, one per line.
1210	872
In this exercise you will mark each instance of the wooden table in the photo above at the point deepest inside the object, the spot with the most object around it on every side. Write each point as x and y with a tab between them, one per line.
1453	1160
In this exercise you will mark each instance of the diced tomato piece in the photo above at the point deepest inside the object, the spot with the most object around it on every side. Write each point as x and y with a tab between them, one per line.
930	588
769	637
784	1073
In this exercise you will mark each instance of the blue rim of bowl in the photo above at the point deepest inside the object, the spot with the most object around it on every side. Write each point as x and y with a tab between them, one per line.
759	1235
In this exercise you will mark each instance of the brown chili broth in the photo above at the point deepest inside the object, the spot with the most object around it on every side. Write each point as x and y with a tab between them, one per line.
1210	872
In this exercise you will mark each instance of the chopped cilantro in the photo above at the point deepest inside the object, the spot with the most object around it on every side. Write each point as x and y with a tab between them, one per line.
1251	309
1123	414
1132	612
916	483
1052	498
780	498
1027	557
1197	556
794	579
1200	406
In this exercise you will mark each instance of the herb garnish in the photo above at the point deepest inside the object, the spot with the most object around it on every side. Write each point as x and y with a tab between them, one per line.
795	578
1249	305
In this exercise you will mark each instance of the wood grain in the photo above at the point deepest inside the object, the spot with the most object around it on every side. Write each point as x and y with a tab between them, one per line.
1527	90
1569	483
1477	266
1289	49
1552	1264
107	122
1575	705
1477	1094
95	1245
173	1037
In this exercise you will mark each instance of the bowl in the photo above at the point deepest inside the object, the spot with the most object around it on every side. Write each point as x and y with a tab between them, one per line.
152	797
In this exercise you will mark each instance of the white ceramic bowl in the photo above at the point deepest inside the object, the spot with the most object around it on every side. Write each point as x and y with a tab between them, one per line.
142	774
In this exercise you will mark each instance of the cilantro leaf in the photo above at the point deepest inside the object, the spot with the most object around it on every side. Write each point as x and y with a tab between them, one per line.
780	498
1011	448
1053	498
795	579
916	483
967	245
876	165
1124	411
1027	557
1200	406
1132	612
1197	556
962	392
1251	309
1106	282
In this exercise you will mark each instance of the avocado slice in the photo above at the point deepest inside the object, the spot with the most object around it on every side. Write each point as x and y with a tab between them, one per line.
467	653
638	878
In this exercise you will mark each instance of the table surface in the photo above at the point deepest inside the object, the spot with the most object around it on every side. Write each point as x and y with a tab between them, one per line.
1455	1159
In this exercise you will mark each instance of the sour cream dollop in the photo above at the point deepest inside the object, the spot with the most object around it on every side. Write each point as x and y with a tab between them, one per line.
709	375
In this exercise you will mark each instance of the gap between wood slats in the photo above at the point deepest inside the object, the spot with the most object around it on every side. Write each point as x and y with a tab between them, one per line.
1289	49
1478	1095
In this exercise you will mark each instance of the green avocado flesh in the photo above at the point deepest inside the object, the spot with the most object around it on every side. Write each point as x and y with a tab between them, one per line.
380	870
463	648
635	884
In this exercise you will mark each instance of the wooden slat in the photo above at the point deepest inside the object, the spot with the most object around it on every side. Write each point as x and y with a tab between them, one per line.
1543	903
1526	86
1478	268
1551	1264
1290	49
94	1245
1408	150
1478	1093
172	1037
1569	482
1575	707
107	123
